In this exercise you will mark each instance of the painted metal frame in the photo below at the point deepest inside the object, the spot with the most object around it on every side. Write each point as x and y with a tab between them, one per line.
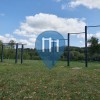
16	53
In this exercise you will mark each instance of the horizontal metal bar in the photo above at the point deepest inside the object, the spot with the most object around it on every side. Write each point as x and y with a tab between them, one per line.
77	33
59	39
94	26
14	43
63	39
21	43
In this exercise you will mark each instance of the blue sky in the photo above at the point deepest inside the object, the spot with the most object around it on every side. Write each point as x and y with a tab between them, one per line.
22	20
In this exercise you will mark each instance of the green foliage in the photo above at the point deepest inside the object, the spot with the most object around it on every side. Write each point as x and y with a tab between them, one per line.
94	49
94	45
0	42
12	43
76	53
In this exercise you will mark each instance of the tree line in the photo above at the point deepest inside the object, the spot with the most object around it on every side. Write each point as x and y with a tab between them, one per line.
76	53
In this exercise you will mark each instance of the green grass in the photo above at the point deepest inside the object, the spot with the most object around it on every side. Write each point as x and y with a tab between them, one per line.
34	81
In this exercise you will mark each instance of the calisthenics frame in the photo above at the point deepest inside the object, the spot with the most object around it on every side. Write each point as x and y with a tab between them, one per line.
86	49
68	56
16	53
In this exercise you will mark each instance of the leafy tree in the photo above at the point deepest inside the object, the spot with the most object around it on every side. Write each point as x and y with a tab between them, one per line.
74	55
12	43
81	56
0	42
94	45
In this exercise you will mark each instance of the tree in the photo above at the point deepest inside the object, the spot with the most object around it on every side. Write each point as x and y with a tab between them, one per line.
74	55
12	43
94	45
0	42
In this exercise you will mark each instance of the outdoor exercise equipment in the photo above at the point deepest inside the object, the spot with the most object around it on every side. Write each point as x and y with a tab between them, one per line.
86	50
68	56
16	53
53	61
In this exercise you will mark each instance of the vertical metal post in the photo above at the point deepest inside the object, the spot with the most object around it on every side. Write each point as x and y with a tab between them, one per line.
68	56
2	53
53	60
86	51
22	49
16	56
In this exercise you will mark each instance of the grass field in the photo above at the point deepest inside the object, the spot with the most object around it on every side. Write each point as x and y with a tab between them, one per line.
34	81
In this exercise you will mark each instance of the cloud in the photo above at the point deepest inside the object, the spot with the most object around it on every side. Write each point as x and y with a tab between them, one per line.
34	25
2	14
97	35
58	0
82	36
7	37
41	22
64	6
91	4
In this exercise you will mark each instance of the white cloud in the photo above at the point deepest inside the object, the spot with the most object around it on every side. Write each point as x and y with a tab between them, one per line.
39	23
82	36
97	35
7	37
58	0
91	4
24	42
34	25
32	40
64	6
2	14
81	41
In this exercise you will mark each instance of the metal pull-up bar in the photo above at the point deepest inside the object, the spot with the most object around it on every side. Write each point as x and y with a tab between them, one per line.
86	49
94	26
68	56
16	53
22	51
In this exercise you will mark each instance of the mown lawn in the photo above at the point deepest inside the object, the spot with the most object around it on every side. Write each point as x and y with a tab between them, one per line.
34	81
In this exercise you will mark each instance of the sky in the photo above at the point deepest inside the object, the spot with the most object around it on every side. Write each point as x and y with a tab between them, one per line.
23	20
